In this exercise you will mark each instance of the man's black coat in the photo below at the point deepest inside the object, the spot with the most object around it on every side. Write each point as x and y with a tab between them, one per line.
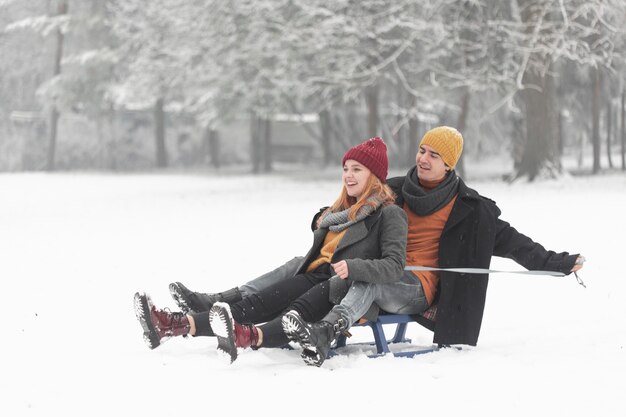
471	236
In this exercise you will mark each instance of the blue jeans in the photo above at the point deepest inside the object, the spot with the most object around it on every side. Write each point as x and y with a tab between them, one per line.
403	297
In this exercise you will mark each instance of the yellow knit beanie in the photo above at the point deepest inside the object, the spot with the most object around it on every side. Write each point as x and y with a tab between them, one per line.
447	141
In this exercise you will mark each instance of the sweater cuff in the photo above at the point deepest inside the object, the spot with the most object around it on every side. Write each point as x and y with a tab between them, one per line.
568	263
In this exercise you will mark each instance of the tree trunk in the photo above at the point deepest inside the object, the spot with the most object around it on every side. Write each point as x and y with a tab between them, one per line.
112	138
371	100
540	149
54	113
267	145
623	130
211	145
595	118
581	149
52	140
105	137
560	140
462	122
540	153
413	134
414	140
400	136
159	134
255	145
354	127
517	141
609	125
100	140
326	137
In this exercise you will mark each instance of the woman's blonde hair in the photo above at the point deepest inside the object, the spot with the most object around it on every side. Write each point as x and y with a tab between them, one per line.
374	187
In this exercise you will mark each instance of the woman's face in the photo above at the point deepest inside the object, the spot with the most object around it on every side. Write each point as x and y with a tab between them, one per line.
430	166
355	177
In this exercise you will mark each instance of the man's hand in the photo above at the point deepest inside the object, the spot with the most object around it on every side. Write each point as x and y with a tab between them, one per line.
341	269
579	264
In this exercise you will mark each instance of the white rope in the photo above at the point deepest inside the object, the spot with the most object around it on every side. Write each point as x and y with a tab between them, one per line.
483	271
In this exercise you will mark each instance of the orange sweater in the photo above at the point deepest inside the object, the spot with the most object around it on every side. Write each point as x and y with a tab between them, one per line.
331	241
422	247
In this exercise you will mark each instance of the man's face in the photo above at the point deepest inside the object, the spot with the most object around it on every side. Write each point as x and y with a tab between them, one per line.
430	166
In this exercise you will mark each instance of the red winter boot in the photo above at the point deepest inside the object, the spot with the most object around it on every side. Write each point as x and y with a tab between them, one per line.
230	334
158	325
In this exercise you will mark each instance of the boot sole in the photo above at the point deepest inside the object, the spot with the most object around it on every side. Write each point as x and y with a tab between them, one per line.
312	357
180	298
221	321
143	305
297	331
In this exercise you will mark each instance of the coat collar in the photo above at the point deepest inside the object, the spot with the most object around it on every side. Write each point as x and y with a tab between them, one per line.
354	233
462	208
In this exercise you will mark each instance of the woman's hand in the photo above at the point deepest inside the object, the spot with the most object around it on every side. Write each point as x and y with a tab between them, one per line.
341	269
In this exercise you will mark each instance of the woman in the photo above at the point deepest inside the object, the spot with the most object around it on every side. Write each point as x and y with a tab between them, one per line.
360	237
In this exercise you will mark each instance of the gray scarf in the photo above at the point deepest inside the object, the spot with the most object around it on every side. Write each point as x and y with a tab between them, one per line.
422	202
336	222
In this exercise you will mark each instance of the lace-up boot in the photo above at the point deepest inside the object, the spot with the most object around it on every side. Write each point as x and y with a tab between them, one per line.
314	338
230	334
197	302
158	325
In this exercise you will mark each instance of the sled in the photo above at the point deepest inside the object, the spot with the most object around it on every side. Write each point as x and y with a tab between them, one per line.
381	342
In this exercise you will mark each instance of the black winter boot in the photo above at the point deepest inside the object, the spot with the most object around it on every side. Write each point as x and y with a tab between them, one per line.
315	339
197	302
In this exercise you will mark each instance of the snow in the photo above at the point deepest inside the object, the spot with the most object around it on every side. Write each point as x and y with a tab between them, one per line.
75	248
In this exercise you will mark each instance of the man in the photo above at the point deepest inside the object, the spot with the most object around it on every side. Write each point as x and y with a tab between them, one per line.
450	226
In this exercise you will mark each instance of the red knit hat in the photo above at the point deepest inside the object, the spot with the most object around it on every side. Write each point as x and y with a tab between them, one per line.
373	154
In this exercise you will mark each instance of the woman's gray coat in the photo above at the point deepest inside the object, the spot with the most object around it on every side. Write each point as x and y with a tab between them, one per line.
374	248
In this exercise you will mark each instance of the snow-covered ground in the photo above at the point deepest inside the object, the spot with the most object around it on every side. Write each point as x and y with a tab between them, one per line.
74	248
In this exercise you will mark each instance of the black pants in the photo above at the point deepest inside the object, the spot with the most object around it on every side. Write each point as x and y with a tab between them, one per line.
303	292
308	294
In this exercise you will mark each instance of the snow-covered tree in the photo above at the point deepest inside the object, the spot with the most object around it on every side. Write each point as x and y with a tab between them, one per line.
54	24
400	63
154	58
514	48
550	31
24	63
